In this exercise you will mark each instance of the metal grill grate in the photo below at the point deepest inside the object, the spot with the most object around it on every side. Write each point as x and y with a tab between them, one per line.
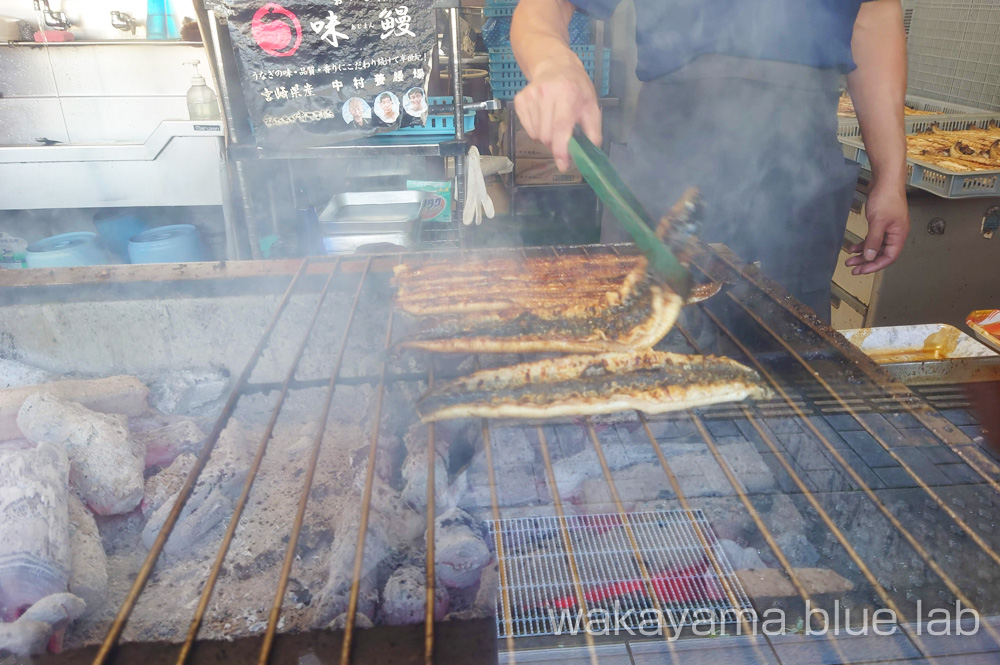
681	571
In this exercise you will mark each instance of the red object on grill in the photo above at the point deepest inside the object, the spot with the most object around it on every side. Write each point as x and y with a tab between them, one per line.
674	586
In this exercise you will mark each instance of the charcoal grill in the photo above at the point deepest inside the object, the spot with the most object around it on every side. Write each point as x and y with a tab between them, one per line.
835	428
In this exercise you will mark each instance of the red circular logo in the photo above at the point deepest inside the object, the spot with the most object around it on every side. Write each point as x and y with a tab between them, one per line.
276	30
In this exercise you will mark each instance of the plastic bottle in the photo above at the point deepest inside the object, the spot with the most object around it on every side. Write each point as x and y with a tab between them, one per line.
160	20
201	100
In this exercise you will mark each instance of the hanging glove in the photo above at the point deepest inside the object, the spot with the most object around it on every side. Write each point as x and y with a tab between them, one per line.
477	200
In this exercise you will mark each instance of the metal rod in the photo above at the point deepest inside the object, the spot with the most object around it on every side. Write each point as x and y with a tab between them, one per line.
111	639
567	541
234	520
455	64
811	498
633	543
498	540
906	398
352	604
286	567
429	581
971	533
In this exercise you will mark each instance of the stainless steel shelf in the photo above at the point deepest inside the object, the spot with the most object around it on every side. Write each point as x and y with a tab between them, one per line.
106	42
366	148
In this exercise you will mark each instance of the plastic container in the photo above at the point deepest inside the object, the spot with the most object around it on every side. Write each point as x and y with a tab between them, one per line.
439	125
116	226
178	243
202	102
507	79
160	20
66	250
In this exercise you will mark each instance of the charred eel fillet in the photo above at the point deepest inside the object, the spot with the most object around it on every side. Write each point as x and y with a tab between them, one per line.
573	304
648	381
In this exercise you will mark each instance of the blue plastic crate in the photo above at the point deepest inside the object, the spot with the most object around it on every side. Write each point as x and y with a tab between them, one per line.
496	28
438	125
506	77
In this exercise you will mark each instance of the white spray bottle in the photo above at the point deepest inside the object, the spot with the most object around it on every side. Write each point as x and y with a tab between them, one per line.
201	100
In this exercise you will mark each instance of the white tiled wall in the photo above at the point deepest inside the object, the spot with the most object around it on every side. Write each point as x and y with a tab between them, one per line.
93	93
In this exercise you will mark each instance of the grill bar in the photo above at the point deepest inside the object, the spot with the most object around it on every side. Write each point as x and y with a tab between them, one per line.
855	477
234	520
567	540
430	580
352	603
114	633
875	435
498	540
810	497
944	431
286	567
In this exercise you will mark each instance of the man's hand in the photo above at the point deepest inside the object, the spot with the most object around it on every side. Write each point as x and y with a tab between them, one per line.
560	96
888	225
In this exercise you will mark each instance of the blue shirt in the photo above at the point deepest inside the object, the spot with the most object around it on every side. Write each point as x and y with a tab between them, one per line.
672	33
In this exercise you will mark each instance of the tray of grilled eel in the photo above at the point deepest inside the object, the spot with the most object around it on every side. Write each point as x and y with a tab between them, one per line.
954	164
605	312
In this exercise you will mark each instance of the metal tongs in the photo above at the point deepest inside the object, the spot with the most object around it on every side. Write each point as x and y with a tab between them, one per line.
665	266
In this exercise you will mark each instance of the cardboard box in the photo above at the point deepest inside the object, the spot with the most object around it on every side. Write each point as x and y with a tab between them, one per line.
543	172
525	146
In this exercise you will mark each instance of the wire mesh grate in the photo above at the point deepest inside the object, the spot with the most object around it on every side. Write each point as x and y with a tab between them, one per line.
542	595
953	52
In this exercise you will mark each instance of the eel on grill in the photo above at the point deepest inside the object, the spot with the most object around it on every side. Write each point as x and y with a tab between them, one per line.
647	380
572	304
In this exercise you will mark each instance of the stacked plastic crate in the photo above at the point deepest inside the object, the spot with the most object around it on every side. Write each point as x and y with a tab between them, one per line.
506	78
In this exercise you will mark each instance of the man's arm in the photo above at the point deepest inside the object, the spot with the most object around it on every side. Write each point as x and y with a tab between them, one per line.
559	94
878	89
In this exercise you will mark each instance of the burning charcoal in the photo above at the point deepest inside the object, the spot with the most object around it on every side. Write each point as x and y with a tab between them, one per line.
741	558
189	392
164	485
164	444
460	551
415	477
404	597
387	456
391	526
116	394
397	407
105	464
35	556
14	374
360	621
89	574
213	498
486	596
42	624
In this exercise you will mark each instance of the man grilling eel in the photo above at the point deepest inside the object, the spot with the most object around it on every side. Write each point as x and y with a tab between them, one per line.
739	98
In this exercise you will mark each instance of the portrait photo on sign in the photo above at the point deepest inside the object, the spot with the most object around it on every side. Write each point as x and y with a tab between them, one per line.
415	102
357	112
387	107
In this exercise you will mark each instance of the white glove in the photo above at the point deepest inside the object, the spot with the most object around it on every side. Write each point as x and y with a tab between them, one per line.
477	200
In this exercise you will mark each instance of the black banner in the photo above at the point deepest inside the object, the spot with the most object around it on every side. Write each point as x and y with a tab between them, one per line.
317	73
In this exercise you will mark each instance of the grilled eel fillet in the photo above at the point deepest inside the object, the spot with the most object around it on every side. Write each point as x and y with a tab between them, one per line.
649	381
575	304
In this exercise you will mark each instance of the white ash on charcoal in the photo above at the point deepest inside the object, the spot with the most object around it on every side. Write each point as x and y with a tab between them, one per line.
14	374
41	626
89	570
404	598
124	395
460	550
360	621
388	456
165	438
106	465
740	557
198	392
414	471
164	485
35	556
392	526
213	498
484	603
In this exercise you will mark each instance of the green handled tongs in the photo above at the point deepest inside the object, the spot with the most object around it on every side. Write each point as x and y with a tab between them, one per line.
664	265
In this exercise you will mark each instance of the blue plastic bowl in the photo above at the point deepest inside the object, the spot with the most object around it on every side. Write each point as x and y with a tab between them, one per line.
178	243
80	248
116	227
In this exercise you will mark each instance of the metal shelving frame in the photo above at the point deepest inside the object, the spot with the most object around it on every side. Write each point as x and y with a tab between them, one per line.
241	147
